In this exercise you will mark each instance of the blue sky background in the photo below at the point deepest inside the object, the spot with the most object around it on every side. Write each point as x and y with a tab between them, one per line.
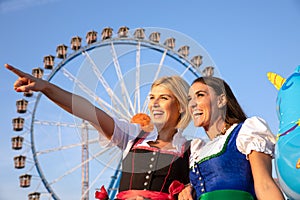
246	39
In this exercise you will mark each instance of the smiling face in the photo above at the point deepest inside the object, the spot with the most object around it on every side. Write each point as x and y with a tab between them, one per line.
203	105
163	107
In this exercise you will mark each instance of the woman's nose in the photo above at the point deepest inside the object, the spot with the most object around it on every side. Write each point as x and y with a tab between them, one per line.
156	103
192	103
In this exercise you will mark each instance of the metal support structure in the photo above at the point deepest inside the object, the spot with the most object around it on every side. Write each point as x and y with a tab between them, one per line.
115	182
84	158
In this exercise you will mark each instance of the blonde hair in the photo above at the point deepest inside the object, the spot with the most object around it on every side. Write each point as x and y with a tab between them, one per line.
179	87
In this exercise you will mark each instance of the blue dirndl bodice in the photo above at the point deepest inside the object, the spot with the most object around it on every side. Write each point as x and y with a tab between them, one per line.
226	170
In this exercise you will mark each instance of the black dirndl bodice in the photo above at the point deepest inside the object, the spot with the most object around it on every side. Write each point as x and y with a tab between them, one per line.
149	168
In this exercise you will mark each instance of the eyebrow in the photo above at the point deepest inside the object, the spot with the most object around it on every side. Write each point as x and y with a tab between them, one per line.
199	91
169	95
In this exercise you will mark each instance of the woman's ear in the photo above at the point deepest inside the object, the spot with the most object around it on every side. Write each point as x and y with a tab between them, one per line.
181	110
222	101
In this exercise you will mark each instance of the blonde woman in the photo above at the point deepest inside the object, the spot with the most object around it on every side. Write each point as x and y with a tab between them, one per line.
153	160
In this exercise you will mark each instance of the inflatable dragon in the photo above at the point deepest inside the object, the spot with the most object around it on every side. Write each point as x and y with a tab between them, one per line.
287	148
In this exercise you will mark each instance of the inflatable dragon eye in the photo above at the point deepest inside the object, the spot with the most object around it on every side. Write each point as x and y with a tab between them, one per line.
287	148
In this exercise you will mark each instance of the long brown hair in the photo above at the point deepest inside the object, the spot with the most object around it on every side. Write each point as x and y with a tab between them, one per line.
234	112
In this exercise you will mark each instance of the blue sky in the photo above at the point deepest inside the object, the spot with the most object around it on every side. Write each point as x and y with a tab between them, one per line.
246	39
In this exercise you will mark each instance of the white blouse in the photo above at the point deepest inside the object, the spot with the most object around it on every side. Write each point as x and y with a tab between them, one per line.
126	132
254	135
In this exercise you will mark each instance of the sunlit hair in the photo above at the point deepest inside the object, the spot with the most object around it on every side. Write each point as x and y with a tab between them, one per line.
233	111
179	87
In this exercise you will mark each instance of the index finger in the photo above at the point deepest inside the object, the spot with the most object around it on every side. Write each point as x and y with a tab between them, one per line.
15	70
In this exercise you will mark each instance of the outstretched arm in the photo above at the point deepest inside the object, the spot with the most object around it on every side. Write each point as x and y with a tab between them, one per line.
70	102
264	184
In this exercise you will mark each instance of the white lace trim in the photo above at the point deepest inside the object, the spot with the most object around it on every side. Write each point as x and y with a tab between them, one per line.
254	135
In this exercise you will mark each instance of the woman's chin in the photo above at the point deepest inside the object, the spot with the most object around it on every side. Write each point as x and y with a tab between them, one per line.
158	125
197	123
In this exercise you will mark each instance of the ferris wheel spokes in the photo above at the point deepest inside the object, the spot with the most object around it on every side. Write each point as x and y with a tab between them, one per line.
137	97
104	105
155	77
80	165
65	147
186	70
108	89
125	94
160	64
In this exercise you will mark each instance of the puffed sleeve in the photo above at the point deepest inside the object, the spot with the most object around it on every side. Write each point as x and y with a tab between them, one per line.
255	135
196	146
124	132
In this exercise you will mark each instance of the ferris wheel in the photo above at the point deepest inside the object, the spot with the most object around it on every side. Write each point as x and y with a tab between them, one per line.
63	157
